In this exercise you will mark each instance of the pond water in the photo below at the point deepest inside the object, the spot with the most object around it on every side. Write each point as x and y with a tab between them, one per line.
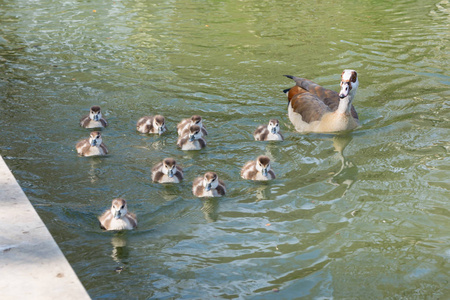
355	216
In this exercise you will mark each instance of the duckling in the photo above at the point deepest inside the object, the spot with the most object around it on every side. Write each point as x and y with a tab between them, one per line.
312	108
118	217
193	140
208	185
94	119
167	171
151	124
93	146
270	132
258	169
183	126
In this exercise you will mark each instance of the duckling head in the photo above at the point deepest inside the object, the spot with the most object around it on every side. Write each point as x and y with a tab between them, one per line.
263	164
169	167
274	126
95	114
95	138
196	120
119	208
195	133
210	181
160	123
349	84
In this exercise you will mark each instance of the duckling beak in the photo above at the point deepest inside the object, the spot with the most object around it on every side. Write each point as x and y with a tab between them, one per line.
170	173
117	214
264	171
95	117
208	187
191	138
274	130
94	143
160	130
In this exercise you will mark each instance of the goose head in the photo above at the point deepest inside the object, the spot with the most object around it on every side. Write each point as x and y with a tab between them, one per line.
119	208
274	126
169	167
263	165
196	120
195	133
95	113
160	123
349	84
210	181
95	138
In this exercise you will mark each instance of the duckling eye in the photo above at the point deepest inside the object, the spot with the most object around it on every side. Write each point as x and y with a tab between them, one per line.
122	206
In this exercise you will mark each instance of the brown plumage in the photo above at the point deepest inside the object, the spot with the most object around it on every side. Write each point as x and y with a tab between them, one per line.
92	146
258	169
209	185
151	124
94	119
183	126
118	217
193	140
271	132
167	171
313	108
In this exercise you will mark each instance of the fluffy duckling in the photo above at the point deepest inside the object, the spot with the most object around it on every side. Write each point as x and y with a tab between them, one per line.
258	169
193	140
118	217
270	132
167	171
312	108
208	185
151	124
183	126
93	146
94	119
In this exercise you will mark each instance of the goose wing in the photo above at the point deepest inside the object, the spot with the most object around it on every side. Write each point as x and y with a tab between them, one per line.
327	96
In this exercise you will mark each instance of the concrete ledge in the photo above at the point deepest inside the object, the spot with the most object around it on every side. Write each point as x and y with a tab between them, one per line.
31	264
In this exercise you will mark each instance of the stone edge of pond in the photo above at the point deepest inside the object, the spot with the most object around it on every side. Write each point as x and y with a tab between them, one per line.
31	264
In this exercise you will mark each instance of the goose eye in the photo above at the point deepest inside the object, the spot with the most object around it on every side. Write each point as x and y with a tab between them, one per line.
122	206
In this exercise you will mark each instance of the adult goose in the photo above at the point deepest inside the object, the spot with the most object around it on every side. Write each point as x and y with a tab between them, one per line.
313	108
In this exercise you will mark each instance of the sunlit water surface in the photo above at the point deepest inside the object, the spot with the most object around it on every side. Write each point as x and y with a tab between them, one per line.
358	216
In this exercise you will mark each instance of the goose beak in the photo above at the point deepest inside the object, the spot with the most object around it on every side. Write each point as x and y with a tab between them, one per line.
160	130
170	174
94	143
208	187
264	172
117	214
191	138
274	130
345	89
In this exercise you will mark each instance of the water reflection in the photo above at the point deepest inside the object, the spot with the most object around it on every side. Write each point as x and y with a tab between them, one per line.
94	170
348	170
120	250
209	209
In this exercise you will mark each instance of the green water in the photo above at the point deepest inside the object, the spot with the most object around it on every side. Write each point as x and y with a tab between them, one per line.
359	216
